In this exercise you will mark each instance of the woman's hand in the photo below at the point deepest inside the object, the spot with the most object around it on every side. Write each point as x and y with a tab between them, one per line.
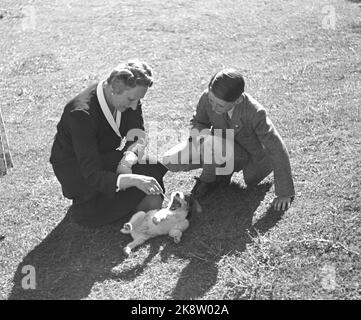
282	203
148	185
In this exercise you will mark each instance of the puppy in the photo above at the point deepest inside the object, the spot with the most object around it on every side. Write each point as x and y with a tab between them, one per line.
171	220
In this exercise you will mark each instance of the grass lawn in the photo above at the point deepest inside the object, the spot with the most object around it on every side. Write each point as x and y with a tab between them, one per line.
301	60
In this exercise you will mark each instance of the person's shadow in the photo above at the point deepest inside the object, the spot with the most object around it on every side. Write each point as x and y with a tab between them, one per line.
72	258
69	261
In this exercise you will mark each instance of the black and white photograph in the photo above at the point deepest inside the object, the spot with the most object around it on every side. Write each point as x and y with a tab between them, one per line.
199	153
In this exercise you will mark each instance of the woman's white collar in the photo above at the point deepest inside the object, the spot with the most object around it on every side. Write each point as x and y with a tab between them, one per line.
114	123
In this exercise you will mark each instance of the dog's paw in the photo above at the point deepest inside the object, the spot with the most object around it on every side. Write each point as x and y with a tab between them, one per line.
177	239
176	235
127	251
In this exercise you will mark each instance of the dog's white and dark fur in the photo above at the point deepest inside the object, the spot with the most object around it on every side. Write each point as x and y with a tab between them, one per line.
171	220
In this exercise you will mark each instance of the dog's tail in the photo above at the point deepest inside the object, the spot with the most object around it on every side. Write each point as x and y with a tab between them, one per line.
134	222
127	228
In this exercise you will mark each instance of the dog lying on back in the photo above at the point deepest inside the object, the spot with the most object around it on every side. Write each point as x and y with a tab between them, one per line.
171	220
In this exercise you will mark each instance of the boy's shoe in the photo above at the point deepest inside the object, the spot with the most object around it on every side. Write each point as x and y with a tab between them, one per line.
224	180
202	188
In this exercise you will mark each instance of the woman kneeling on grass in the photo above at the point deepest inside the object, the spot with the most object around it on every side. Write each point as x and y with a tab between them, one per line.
246	134
96	166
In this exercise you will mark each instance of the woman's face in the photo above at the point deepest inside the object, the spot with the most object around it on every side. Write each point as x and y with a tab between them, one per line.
219	106
128	98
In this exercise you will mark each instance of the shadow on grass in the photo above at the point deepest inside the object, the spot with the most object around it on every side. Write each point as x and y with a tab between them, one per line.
70	260
224	226
227	221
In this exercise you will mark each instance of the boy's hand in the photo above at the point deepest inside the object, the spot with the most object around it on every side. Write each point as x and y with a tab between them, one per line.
197	135
281	203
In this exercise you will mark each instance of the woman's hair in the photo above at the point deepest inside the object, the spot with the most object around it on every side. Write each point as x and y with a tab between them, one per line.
227	85
130	74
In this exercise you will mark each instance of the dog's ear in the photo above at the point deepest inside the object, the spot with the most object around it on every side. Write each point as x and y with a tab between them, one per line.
197	206
193	205
188	198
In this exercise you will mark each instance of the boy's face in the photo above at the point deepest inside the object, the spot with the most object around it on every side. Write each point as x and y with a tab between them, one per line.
220	106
